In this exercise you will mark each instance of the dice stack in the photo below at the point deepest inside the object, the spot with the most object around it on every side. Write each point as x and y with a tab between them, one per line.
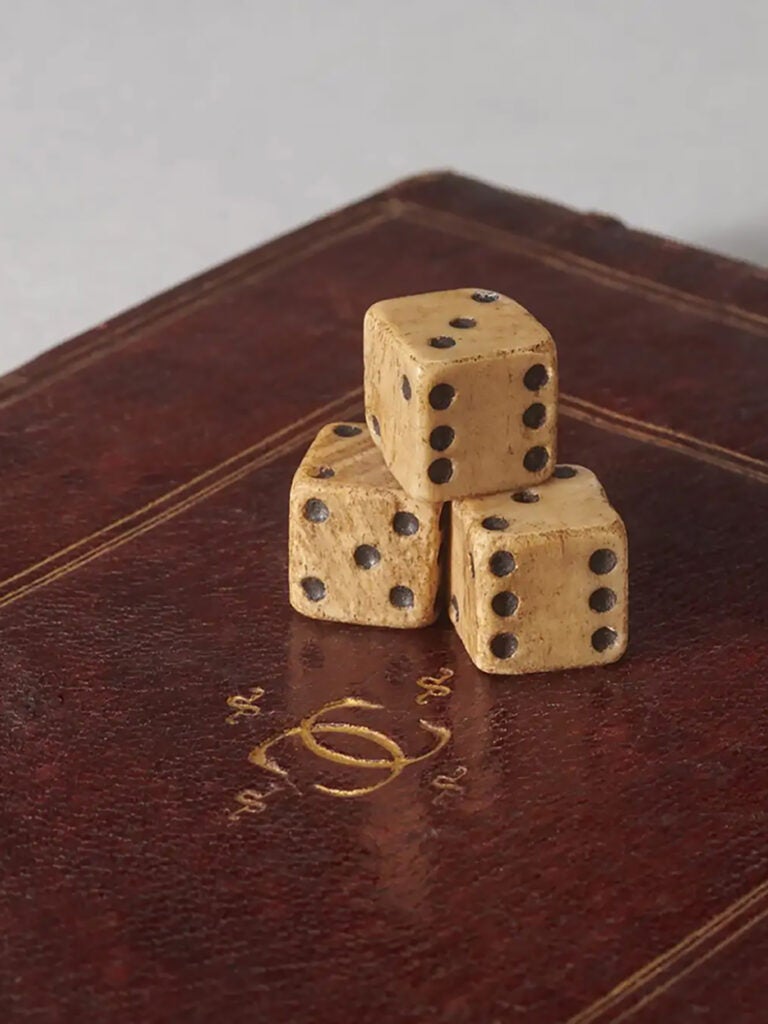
450	494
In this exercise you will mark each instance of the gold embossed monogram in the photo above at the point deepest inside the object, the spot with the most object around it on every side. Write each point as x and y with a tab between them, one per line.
311	728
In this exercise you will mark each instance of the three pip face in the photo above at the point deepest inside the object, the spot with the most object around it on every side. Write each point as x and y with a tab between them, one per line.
461	407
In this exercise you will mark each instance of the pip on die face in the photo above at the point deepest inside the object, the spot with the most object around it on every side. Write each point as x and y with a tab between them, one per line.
360	550
539	577
460	393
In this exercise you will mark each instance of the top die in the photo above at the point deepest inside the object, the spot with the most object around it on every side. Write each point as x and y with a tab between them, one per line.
460	393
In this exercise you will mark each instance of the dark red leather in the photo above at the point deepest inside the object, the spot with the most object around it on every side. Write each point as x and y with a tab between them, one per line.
587	846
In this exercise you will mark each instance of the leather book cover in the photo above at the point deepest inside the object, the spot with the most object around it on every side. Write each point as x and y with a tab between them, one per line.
215	810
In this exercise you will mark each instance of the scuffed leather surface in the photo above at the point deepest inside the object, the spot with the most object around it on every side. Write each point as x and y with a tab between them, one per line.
168	390
605	813
598	237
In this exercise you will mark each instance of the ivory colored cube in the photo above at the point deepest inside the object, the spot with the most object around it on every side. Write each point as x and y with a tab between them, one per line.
360	550
460	393
538	577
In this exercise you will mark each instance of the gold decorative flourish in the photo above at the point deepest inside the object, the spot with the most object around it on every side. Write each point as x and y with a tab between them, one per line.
449	785
309	728
434	686
244	705
251	801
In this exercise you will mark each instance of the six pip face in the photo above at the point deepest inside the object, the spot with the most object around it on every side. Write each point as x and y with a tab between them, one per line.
539	577
461	392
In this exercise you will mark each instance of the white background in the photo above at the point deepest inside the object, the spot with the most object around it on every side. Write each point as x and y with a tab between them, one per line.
143	141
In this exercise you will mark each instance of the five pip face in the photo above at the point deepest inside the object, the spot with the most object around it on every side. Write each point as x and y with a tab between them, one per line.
461	412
